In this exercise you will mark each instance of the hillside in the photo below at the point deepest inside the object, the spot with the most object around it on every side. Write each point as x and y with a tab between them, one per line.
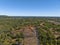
29	30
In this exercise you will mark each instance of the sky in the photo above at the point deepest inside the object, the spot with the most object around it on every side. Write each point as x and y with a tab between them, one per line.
30	7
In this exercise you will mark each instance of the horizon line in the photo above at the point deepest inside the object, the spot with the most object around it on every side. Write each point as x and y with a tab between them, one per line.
28	16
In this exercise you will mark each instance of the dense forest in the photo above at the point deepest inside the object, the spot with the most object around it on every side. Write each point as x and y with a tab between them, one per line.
12	29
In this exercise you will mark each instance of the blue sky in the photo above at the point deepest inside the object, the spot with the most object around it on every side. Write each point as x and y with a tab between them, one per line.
30	7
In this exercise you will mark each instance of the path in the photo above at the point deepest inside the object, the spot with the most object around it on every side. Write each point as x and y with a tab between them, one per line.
30	37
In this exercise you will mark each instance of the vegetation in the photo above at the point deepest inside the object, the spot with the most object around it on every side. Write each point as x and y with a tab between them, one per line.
11	30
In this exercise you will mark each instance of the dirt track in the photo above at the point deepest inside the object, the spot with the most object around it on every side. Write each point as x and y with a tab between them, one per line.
30	37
